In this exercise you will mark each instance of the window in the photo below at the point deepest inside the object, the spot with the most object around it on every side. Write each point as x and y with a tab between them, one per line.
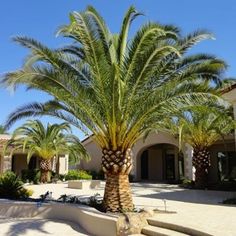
227	165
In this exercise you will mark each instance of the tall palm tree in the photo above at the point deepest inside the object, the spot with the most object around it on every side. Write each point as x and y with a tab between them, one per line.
114	86
46	143
201	126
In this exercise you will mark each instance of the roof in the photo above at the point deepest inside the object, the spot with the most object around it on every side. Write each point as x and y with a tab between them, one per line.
87	138
229	88
4	137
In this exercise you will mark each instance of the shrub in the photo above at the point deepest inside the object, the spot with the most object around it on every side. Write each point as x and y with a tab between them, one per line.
77	174
31	176
230	201
56	176
186	183
11	187
25	193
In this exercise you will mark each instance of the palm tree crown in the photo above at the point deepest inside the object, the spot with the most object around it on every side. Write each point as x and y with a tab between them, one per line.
45	142
117	88
114	86
201	126
2	129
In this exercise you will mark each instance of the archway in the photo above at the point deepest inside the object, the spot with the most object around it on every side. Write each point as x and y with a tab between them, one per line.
160	162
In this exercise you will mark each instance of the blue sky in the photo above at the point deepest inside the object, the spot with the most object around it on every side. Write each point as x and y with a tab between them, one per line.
40	18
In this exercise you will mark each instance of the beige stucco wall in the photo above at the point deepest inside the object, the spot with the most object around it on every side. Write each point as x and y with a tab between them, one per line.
64	164
1	164
95	154
19	163
7	163
153	139
188	167
88	218
155	164
139	147
156	161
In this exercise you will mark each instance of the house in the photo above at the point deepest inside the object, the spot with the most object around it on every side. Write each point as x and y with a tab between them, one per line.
157	158
18	161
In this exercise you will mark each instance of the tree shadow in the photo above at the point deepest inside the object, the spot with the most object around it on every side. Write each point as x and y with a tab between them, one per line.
21	226
186	195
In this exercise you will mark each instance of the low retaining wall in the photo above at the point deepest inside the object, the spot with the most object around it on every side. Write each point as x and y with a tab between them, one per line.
88	218
84	184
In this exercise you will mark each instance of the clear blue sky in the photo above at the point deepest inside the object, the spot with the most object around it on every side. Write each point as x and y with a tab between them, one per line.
40	19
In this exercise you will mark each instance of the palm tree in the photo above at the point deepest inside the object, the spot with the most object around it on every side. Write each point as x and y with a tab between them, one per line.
115	87
2	129
45	142
201	126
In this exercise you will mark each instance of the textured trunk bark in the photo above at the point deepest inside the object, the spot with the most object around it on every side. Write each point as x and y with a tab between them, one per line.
201	162
45	167
117	166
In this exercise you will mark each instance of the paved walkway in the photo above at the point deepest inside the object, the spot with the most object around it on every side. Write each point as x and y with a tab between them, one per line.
195	208
38	227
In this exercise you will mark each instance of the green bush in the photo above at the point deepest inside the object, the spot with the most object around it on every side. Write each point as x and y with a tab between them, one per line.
230	201
31	176
11	187
77	174
186	183
56	176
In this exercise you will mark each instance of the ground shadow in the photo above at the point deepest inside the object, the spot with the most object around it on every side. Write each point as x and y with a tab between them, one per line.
184	195
21	226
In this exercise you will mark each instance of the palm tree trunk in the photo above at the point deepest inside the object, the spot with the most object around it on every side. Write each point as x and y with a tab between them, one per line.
117	166
45	167
201	162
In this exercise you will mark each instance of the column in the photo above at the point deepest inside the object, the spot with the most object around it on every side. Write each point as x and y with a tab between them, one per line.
188	166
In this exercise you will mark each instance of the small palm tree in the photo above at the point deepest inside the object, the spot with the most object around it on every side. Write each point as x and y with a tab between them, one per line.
201	126
45	142
2	129
114	86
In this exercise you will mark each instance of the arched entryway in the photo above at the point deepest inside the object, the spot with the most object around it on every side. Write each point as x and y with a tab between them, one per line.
19	163
160	162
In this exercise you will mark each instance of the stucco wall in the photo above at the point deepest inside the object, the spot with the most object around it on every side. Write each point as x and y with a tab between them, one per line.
154	138
141	145
6	163
88	218
188	167
155	164
1	164
95	154
64	162
19	163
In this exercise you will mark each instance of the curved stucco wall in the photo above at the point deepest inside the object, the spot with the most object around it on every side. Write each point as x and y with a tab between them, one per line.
96	155
88	218
152	139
